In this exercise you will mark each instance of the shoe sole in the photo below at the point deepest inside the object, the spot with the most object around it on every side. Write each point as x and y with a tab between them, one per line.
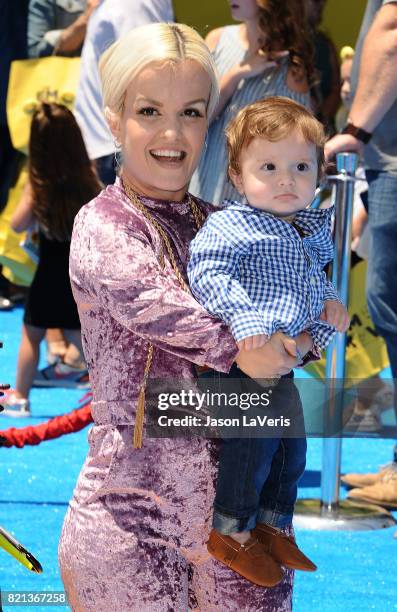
15	414
374	502
61	384
349	485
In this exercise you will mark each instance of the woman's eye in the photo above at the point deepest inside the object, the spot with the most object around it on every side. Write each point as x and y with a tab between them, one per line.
268	167
148	111
192	112
302	167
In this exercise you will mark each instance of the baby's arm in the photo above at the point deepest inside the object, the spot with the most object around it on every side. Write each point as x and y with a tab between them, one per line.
335	314
213	273
334	311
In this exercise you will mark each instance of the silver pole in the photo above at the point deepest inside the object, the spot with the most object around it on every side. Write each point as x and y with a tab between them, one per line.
328	513
343	192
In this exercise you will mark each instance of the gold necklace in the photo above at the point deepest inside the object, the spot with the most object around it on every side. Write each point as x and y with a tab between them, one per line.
199	219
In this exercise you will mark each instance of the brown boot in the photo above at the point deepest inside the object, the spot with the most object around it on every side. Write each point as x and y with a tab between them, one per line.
283	548
249	560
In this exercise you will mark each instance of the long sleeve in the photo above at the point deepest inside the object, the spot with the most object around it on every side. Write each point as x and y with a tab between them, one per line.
330	292
117	266
322	333
213	270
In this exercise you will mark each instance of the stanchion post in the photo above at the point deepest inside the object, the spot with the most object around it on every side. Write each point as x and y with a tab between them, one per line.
343	192
328	513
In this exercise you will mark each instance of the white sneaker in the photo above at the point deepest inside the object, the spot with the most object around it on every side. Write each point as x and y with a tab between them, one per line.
15	406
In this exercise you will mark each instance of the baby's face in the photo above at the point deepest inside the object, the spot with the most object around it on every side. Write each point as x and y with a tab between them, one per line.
278	177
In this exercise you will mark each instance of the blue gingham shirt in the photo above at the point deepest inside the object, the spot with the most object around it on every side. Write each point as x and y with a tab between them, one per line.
260	275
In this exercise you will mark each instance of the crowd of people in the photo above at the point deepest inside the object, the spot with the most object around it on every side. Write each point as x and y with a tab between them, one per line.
186	173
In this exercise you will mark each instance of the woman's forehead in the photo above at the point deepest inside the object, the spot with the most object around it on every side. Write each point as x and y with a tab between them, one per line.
182	79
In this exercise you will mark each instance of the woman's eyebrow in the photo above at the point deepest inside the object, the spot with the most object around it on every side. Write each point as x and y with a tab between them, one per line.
198	101
141	98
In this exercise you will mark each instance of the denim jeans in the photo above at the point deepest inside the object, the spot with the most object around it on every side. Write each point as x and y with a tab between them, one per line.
382	261
106	169
258	477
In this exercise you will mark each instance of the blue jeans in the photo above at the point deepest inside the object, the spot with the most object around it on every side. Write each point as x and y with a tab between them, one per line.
382	261
258	477
106	169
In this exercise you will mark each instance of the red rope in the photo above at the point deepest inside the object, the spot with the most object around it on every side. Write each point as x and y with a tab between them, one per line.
54	428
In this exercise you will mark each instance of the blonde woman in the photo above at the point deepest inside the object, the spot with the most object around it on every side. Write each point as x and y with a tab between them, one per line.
135	532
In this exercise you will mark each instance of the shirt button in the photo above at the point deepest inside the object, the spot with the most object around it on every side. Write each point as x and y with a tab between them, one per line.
313	280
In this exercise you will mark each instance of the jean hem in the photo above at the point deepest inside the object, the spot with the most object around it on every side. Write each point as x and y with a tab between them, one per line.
227	524
274	518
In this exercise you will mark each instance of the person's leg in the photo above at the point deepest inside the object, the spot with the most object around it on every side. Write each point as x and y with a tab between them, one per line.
243	468
244	465
74	356
280	490
28	358
56	345
110	560
382	261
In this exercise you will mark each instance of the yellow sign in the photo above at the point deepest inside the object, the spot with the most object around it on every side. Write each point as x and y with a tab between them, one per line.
18	267
53	79
366	353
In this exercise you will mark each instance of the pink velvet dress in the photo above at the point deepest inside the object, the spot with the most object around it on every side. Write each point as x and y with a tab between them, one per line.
135	531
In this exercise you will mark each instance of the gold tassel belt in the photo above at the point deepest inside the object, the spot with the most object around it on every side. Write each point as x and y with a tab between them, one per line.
199	219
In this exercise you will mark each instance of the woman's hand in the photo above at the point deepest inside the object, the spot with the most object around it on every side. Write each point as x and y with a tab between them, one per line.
258	62
252	66
276	358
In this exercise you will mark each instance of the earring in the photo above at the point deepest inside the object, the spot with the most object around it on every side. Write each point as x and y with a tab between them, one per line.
117	144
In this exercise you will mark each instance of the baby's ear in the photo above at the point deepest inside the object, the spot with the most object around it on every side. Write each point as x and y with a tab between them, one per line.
237	180
113	121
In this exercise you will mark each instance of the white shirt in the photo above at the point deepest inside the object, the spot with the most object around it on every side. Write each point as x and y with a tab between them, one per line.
109	22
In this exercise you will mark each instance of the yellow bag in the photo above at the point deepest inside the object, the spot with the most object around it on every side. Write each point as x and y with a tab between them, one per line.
366	353
18	267
53	79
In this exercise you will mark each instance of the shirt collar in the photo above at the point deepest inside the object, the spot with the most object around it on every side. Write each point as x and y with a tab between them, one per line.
310	220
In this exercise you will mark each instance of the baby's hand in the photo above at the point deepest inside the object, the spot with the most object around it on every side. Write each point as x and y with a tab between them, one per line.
252	342
335	314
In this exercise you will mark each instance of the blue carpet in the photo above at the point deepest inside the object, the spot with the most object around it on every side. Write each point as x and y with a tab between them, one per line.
357	570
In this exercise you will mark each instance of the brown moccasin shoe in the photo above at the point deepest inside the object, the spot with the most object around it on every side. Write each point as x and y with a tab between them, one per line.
249	560
283	548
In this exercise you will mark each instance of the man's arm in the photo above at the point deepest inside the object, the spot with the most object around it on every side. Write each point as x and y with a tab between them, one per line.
377	83
44	40
72	38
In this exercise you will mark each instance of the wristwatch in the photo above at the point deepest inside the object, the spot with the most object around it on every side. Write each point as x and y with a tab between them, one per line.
357	132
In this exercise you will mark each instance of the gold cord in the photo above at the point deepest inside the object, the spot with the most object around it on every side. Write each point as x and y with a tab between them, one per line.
199	219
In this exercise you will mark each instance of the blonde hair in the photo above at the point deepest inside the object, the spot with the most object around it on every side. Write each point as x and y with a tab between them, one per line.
156	42
346	53
272	118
